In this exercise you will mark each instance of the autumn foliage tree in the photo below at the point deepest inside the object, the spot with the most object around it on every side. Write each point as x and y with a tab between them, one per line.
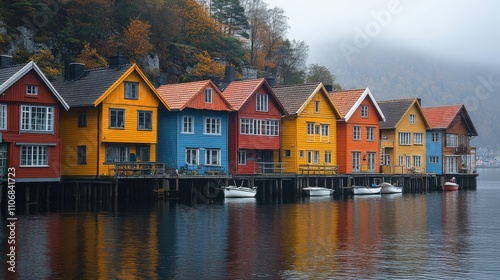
90	57
206	67
46	62
136	39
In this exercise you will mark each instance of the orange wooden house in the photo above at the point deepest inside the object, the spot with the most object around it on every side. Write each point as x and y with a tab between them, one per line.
357	130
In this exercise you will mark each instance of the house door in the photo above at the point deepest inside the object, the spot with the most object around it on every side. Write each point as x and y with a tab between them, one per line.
371	162
356	163
143	153
451	163
266	158
3	160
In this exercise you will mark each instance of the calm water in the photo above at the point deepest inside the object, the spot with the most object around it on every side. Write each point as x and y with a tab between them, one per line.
434	235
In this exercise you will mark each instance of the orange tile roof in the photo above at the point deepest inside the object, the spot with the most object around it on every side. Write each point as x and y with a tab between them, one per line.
178	95
238	92
344	100
440	117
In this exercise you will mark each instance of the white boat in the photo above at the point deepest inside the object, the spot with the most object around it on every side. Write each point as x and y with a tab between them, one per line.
366	189
317	191
239	192
390	188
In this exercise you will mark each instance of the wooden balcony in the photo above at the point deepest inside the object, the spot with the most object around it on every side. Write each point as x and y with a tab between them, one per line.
137	169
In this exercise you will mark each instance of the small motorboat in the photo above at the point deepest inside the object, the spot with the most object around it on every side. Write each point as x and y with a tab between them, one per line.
390	188
317	191
450	185
239	192
361	190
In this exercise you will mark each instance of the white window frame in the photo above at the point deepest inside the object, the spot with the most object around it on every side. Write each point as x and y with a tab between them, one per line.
325	130
413	118
262	103
142	120
34	156
131	90
451	140
356	133
356	161
242	157
316	106
213	157
408	161
31	89
3	116
434	136
187	125
116	122
372	161
310	128
37	118
370	133
417	161
401	160
117	153
364	111
192	156
385	160
418	138
433	159
328	157
208	95
404	138
212	126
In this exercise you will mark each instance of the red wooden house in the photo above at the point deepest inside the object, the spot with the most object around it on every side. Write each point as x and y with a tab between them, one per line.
29	123
357	131
254	126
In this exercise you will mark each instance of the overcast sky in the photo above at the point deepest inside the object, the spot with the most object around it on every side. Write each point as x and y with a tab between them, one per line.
452	29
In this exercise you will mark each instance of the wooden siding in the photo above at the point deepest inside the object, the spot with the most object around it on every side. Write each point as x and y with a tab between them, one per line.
217	104
73	136
168	129
363	145
434	149
14	97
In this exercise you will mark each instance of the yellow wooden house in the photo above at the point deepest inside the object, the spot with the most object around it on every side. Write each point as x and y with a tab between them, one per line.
112	118
308	130
403	136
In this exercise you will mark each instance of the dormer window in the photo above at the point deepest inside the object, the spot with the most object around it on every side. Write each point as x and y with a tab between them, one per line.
316	106
262	103
364	111
412	118
31	89
208	95
131	90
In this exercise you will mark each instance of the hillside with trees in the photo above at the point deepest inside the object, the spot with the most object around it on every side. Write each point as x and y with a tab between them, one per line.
183	40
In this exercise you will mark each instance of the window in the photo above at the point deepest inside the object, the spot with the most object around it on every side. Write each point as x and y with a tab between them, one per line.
82	119
418	138
287	153
356	156
328	157
356	133
370	134
452	140
364	111
145	120
208	95
34	156
433	159
434	136
385	160
325	129
262	103
192	156
408	161
37	118
117	153
316	157
259	127
187	124
212	156
412	118
242	157
81	157
401	160
116	118
317	128
316	106
417	161
131	90
212	126
371	161
3	116
301	153
310	128
404	138
31	89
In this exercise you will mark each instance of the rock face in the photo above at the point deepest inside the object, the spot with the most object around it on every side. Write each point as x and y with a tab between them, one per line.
150	62
24	38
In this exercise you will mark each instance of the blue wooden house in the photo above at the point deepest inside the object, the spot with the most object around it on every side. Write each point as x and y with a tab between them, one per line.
193	136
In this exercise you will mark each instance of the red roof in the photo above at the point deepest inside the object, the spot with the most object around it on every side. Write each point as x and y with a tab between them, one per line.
441	116
178	96
344	100
238	92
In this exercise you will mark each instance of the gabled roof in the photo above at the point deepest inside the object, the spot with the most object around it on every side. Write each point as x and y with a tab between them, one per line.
178	96
348	101
10	75
239	92
94	85
395	109
441	117
295	98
